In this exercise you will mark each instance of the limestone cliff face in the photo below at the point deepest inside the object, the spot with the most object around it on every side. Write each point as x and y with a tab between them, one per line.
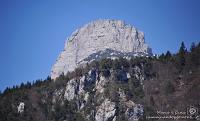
100	98
98	36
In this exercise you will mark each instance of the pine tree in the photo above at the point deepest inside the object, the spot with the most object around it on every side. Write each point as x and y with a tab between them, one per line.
181	55
182	49
192	47
162	57
194	55
168	55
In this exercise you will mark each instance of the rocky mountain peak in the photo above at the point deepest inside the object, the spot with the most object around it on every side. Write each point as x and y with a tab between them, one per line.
97	36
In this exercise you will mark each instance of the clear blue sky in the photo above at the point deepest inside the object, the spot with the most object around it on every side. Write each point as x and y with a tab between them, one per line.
33	32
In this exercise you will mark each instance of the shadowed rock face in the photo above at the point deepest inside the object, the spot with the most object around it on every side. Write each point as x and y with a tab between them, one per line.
98	36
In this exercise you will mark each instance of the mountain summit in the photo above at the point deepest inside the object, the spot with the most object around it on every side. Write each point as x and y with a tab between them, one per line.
97	40
116	86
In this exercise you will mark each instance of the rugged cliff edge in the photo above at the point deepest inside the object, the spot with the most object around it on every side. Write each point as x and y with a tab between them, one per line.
97	36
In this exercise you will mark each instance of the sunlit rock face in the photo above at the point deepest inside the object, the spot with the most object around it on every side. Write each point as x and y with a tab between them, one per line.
105	111
90	94
98	36
20	107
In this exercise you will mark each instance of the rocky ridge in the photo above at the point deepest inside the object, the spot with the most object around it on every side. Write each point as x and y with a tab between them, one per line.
100	36
90	90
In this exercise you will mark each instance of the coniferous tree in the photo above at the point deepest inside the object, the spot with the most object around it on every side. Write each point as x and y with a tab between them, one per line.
48	78
194	55
168	55
181	56
192	47
162	57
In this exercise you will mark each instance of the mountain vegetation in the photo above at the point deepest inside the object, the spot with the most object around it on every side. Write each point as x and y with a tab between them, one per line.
172	82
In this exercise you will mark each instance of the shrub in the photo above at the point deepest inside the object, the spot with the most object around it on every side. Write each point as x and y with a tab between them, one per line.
105	64
105	72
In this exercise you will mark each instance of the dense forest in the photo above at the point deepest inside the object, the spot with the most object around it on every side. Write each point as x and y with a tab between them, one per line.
172	82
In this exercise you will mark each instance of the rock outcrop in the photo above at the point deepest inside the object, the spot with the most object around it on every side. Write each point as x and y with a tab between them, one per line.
106	110
97	37
108	90
20	108
94	96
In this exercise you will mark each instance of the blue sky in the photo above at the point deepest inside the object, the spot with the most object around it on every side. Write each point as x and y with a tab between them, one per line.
33	32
